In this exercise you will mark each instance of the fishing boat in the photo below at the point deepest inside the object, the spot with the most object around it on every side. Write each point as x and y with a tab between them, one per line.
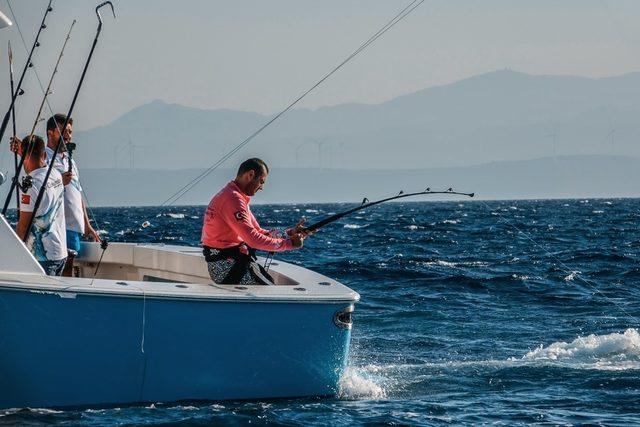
150	326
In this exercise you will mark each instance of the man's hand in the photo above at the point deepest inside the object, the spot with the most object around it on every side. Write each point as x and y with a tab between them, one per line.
297	239
15	145
92	234
296	229
299	229
66	177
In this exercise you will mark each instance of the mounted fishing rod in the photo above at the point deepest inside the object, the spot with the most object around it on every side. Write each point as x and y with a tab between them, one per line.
13	122
365	204
66	122
18	90
47	92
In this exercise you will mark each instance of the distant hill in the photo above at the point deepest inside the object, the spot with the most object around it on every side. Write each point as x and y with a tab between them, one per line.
498	116
562	177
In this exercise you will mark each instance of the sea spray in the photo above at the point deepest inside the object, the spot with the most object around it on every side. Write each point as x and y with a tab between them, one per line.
358	383
615	351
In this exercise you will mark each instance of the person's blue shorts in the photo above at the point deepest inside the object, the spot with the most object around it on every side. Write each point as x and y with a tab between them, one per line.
73	240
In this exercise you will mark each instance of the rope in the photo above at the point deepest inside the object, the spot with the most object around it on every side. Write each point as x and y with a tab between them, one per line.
195	181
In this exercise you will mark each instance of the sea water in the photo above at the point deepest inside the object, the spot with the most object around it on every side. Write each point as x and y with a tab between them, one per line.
509	312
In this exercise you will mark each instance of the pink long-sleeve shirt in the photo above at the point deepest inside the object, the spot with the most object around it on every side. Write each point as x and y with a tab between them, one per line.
228	222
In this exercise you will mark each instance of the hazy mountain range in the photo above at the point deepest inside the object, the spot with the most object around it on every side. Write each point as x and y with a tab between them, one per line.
560	177
503	115
502	135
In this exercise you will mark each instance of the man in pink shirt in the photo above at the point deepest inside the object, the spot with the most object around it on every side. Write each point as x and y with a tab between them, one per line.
231	234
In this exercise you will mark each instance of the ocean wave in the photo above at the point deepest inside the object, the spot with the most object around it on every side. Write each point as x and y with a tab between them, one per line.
456	264
41	411
354	226
176	215
615	351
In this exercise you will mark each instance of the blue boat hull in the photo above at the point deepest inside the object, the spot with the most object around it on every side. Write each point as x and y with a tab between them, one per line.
105	350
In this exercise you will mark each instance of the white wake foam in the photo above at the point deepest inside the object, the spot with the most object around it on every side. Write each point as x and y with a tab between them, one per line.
610	352
358	383
606	352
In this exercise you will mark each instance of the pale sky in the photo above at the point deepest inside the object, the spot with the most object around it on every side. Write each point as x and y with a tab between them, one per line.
259	55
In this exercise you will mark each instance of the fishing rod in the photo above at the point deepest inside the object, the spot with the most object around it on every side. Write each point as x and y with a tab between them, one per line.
70	145
365	204
47	92
66	122
29	64
13	117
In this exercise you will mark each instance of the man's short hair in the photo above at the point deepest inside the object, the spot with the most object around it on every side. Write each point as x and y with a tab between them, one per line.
33	147
57	120
253	164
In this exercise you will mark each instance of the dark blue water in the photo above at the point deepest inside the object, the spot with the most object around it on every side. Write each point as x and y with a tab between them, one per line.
477	312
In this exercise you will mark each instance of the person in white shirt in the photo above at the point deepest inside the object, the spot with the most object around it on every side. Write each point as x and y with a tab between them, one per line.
47	238
77	220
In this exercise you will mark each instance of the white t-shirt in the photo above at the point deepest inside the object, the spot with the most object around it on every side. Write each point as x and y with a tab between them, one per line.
73	211
47	239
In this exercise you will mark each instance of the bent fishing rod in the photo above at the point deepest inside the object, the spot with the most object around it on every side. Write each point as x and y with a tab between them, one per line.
18	90
365	204
13	122
47	92
66	122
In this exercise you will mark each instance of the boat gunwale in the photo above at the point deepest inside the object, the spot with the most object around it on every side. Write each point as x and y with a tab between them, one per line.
238	296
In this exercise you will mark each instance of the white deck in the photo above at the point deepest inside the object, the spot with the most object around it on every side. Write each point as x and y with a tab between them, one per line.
126	270
158	271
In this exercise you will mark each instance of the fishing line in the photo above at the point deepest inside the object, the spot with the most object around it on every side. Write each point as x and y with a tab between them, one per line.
560	262
390	24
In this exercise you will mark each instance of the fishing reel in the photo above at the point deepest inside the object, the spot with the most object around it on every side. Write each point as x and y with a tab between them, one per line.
70	147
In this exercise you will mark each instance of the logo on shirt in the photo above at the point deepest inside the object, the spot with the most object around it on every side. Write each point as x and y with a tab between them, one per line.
240	216
26	199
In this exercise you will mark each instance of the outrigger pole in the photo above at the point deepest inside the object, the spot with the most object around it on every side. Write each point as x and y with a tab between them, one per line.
66	122
14	181
18	90
365	204
13	120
